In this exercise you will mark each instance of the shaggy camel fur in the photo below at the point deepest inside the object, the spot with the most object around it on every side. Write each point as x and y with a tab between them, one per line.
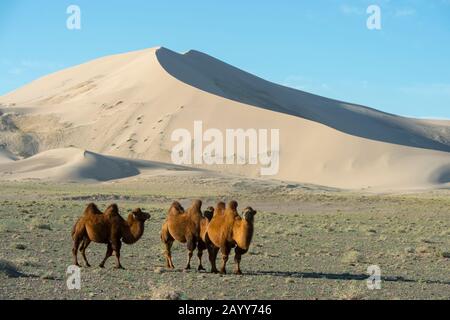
185	227
228	230
204	222
109	228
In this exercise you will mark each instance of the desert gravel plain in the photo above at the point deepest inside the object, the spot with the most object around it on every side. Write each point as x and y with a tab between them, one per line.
310	242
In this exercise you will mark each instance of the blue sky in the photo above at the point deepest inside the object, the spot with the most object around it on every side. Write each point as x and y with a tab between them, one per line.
320	46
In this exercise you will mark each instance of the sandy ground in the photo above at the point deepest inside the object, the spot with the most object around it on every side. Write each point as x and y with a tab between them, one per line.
309	243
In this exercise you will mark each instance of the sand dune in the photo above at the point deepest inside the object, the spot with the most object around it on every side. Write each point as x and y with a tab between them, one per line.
127	105
72	164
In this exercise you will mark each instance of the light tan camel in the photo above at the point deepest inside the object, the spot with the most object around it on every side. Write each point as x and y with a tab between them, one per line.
183	226
228	230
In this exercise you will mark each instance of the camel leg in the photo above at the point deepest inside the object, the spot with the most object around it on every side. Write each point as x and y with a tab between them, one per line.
168	240
84	245
212	253
109	252
168	254
116	245
200	247
199	255
76	244
191	245
225	250
238	252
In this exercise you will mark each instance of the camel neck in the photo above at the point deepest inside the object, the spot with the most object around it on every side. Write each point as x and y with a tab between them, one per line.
133	231
246	230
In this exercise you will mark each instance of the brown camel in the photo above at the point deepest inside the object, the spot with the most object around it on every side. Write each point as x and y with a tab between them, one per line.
228	230
109	228
204	222
184	226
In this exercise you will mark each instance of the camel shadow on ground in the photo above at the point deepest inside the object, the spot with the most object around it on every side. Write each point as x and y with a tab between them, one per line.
320	275
340	276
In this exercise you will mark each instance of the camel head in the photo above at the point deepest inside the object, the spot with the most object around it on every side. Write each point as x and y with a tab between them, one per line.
209	212
249	214
233	205
139	215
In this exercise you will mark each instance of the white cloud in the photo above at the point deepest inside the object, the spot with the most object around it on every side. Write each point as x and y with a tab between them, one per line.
432	118
15	71
351	10
30	64
404	12
296	82
304	84
38	64
428	89
23	66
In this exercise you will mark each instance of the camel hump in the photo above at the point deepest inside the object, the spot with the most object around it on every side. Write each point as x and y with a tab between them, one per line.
92	209
233	205
220	208
197	204
112	210
177	206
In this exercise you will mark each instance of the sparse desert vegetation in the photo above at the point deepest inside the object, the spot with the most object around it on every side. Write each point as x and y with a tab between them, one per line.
309	242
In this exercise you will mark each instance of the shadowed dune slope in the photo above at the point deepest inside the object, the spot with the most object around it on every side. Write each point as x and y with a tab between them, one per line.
212	75
6	155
